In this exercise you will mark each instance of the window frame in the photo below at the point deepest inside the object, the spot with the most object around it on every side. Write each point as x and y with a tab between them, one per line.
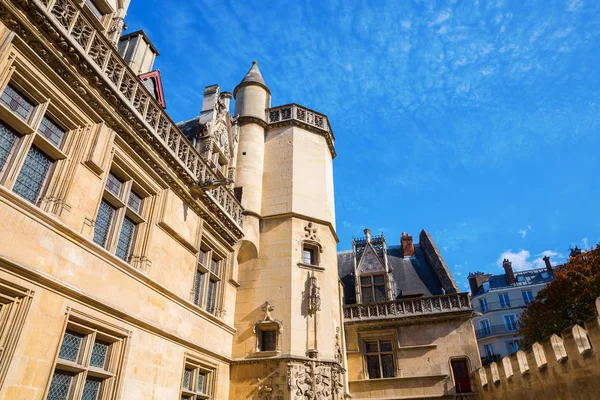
380	353
504	300
198	366
28	136
484	325
123	211
372	285
93	330
530	298
206	257
388	335
513	323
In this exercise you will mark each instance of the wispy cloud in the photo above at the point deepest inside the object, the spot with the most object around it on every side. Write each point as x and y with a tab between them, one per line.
524	231
522	259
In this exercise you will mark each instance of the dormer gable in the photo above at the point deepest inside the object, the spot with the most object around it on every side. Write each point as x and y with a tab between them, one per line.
370	262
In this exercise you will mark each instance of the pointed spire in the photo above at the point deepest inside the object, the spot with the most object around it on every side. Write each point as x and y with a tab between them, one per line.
253	77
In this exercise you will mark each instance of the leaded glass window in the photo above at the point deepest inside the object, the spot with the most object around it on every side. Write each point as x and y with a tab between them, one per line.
31	179
16	102
187	379
99	353
198	286
201	380
8	138
71	346
104	219
308	256
134	202
60	387
380	359
197	381
51	131
126	239
114	185
210	298
91	389
214	265
203	256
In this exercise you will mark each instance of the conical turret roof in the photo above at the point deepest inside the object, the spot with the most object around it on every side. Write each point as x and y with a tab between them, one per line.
253	77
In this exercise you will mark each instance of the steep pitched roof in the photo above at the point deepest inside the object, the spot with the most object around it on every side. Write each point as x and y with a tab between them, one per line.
253	77
412	275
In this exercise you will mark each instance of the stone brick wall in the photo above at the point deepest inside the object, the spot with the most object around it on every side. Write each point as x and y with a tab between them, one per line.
565	366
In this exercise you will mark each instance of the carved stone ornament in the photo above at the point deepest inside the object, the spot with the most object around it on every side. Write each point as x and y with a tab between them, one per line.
310	381
311	232
338	349
314	296
268	320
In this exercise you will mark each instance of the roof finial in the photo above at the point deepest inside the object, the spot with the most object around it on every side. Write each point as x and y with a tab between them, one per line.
254	62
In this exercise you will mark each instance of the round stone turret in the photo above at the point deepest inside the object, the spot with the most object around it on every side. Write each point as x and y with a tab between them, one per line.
252	96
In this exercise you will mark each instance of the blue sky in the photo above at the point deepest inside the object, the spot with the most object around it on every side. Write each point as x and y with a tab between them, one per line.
476	120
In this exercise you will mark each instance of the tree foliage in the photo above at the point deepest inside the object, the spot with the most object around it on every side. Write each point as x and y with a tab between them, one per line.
569	299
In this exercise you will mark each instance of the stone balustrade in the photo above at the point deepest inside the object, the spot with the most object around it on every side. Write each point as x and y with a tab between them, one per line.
88	36
408	308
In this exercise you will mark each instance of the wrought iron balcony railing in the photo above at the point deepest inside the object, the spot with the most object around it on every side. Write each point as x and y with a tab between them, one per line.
448	303
496	330
486	307
89	39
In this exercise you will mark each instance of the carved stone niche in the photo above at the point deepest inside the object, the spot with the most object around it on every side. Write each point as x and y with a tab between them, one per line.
268	333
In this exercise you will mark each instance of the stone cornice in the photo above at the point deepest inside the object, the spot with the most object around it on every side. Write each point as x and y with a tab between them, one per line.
40	31
305	217
243	120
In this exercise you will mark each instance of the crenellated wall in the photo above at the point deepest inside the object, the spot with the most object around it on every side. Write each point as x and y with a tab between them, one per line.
565	366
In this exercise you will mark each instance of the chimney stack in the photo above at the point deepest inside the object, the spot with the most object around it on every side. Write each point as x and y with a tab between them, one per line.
510	275
547	261
368	235
408	249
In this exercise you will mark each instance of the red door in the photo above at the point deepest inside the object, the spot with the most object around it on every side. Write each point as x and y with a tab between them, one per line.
460	370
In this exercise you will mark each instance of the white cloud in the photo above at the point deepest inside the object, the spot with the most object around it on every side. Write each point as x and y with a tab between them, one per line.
444	15
406	24
522	259
585	243
575	5
524	231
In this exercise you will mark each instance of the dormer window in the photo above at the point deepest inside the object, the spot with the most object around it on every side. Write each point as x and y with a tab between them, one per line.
372	288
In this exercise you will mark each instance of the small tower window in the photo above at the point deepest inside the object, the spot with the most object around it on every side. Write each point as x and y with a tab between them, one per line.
268	340
310	254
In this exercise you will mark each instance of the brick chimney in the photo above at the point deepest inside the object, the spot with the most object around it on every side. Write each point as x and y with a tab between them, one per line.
547	262
510	275
476	281
408	249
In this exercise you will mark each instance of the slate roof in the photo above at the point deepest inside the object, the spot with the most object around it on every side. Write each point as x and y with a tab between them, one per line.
189	128
522	278
413	276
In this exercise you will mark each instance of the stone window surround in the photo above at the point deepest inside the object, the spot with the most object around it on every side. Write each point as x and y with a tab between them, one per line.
385	335
132	181
211	251
317	250
14	306
92	328
199	365
23	78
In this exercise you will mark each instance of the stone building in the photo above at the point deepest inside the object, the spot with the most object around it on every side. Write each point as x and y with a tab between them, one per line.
142	258
408	328
498	301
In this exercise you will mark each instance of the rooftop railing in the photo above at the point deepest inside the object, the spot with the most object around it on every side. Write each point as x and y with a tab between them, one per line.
299	113
88	37
493	330
448	303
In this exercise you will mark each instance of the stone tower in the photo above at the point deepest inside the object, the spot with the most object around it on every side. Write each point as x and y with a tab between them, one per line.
289	339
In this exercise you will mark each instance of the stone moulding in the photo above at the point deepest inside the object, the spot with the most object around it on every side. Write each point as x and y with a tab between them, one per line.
110	88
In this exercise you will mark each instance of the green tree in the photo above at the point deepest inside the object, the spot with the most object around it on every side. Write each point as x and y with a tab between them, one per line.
569	299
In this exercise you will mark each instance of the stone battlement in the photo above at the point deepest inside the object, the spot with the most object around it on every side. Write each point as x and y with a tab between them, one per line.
561	366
